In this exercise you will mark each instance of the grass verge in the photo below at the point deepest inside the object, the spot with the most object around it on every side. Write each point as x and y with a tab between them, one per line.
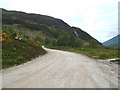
97	53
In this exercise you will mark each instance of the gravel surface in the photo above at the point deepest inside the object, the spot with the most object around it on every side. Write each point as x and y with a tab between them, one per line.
62	69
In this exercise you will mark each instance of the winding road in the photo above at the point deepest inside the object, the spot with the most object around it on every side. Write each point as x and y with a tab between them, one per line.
62	69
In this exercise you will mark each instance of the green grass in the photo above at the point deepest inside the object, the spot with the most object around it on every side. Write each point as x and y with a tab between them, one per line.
15	52
97	53
0	64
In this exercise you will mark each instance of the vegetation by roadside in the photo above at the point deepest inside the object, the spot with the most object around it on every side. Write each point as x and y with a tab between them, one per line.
97	53
17	49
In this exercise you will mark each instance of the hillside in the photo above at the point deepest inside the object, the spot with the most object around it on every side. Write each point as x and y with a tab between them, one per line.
19	50
114	42
36	29
48	30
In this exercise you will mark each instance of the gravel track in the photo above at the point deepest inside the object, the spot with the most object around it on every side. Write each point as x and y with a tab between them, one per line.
62	69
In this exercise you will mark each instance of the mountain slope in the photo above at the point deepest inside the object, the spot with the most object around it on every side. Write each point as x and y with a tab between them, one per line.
114	42
43	26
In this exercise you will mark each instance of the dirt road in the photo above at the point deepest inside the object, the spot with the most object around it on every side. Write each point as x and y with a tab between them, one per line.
60	69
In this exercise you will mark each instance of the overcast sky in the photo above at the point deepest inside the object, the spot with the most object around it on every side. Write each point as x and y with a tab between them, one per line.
99	18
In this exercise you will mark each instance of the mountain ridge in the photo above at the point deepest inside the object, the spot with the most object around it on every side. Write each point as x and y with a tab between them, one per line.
49	26
113	42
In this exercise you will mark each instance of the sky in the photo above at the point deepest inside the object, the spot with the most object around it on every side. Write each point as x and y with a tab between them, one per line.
99	18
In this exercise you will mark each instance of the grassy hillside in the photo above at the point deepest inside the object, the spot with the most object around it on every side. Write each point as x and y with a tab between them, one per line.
48	28
15	51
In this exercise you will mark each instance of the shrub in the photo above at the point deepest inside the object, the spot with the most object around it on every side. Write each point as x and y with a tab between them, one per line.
4	37
30	39
37	43
103	56
20	58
